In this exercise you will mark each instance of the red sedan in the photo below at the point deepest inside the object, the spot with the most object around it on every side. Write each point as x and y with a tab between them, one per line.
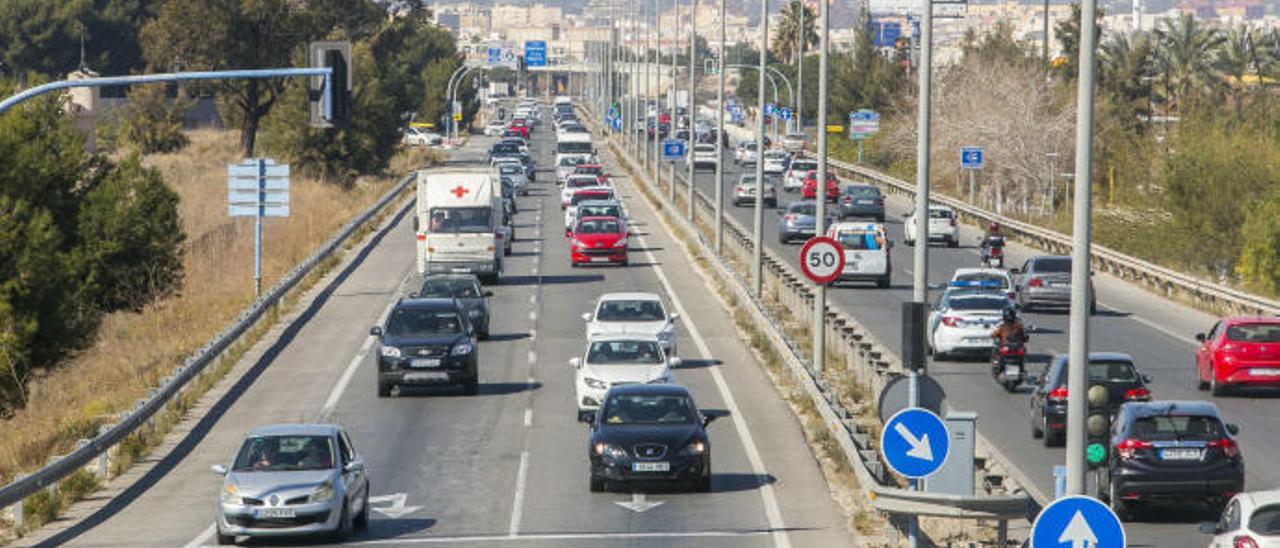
1239	351
810	188
598	240
520	129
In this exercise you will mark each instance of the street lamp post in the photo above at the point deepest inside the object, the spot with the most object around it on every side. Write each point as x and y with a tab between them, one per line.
720	139
657	97
820	222
693	108
798	98
675	70
757	226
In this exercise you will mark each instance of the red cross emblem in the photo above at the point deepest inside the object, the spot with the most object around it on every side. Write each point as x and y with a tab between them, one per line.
459	191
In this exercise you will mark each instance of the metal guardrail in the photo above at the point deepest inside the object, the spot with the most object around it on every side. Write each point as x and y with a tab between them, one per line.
155	402
876	365
1208	295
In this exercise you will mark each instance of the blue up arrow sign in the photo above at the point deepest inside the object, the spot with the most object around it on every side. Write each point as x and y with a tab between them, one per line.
915	442
1077	522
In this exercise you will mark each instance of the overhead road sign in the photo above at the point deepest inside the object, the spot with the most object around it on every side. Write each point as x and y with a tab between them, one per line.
535	53
785	113
915	443
971	157
941	8
1077	522
769	109
821	259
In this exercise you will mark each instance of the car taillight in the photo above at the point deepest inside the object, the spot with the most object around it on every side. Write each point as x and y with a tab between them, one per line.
1228	446
1244	541
953	222
1035	282
848	200
788	218
1014	351
1137	394
1128	448
1058	394
950	321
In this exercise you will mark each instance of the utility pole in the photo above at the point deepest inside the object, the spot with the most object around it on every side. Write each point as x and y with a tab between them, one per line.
1078	335
920	288
1044	48
644	96
799	100
757	227
657	97
720	138
820	223
693	107
675	70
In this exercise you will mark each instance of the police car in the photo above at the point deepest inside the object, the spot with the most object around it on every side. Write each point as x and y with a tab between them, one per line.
964	318
989	278
866	252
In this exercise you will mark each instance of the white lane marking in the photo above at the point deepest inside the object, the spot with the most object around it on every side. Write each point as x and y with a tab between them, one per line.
517	508
534	271
533	334
203	537
341	386
528	418
566	536
767	495
533	298
533	315
1163	329
532	357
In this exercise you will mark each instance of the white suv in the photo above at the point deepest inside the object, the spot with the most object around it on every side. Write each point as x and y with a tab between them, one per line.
618	359
942	226
704	155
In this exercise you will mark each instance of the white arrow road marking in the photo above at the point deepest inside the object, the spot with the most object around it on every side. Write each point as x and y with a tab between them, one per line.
397	507
1078	534
920	448
638	503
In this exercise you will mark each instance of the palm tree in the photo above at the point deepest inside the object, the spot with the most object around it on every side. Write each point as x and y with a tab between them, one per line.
1187	51
786	41
1237	59
1126	71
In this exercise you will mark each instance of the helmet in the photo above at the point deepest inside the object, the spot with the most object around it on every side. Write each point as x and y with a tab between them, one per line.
993	227
1010	315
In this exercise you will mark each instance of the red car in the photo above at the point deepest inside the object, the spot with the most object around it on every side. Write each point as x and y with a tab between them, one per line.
598	240
1239	351
592	169
810	188
518	130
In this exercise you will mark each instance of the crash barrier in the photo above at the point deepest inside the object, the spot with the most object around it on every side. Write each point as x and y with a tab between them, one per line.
870	363
92	454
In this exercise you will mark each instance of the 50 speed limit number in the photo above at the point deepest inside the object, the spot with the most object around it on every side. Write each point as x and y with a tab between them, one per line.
821	259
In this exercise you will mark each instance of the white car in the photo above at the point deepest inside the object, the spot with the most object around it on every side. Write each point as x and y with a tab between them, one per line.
704	156
963	321
618	359
942	226
494	128
744	193
775	161
995	279
634	314
794	179
567	165
745	153
1249	519
574	183
417	137
866	252
794	142
583	195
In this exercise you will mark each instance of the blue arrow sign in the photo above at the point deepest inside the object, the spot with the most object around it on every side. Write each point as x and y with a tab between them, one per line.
1077	522
535	53
672	149
785	113
768	109
915	442
971	157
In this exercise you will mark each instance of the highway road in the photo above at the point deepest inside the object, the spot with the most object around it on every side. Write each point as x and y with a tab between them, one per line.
1158	333
507	466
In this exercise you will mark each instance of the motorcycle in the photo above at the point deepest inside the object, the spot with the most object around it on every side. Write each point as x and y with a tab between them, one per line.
993	252
1008	364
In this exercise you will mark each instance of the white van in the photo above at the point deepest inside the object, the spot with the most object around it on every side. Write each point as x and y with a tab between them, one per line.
866	252
562	100
575	144
459	222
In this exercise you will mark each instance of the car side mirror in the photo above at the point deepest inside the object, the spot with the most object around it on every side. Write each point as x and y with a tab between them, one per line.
413	294
353	466
375	331
586	316
218	469
589	418
1233	429
1209	528
710	415
575	362
1201	337
674	362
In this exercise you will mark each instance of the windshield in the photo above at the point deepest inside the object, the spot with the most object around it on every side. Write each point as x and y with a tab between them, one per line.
750	180
775	155
630	311
586	196
462	288
579	182
416	322
704	148
984	280
1053	264
1254	333
624	352
454	220
573	147
803	209
862	240
648	409
1174	427
589	170
569	161
598	226
1112	371
285	454
803	166
862	191
505	148
509	169
599	211
939	213
979	303
1265	520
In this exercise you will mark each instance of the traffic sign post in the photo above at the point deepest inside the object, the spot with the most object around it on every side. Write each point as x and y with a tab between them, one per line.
863	124
535	53
971	160
821	259
672	150
1077	522
915	443
258	187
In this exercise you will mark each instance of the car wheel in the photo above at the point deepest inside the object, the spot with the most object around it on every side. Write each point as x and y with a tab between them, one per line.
343	530
1093	308
223	540
384	389
1118	506
953	243
883	283
362	519
703	484
1037	430
910	243
1199	383
1216	388
596	484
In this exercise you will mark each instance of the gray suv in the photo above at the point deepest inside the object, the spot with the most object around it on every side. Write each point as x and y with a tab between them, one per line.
1046	281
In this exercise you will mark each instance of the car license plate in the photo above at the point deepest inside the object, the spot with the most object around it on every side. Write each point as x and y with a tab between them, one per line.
460	270
978	340
1264	372
1180	454
650	466
262	513
426	376
1011	370
425	362
599	259
864	202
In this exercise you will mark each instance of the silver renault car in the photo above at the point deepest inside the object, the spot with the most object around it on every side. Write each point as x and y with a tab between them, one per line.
293	480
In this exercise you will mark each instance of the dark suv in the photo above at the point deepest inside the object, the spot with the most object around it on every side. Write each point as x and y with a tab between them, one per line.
466	288
1049	399
427	342
1174	451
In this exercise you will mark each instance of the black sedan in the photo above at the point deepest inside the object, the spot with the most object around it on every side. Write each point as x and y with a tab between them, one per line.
467	290
1049	399
427	342
650	433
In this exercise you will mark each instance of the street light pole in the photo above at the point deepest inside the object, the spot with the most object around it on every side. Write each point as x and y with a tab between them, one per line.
820	223
757	227
693	107
720	138
671	96
920	288
657	97
798	100
644	96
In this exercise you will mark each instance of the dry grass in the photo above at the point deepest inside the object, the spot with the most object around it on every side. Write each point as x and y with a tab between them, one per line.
132	352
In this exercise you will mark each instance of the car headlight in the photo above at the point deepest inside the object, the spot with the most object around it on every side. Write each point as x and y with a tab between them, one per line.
389	351
610	451
695	448
323	493
577	243
462	349
475	312
595	383
230	495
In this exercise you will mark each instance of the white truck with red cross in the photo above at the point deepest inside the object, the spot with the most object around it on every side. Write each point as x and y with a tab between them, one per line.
459	222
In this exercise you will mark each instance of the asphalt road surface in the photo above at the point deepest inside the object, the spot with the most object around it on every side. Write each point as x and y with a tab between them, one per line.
509	466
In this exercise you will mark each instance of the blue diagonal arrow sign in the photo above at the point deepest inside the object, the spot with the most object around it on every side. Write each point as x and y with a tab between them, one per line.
915	442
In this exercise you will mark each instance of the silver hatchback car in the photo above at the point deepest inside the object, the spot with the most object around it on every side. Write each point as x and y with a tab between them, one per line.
293	480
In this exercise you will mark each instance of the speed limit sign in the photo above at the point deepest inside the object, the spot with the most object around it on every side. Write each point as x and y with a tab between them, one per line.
821	259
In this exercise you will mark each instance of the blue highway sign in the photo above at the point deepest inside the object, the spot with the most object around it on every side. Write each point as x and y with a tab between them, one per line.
1077	522
535	53
672	149
495	56
915	442
971	158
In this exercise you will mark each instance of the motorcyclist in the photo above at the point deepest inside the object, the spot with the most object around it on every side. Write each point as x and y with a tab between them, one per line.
993	240
1009	330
